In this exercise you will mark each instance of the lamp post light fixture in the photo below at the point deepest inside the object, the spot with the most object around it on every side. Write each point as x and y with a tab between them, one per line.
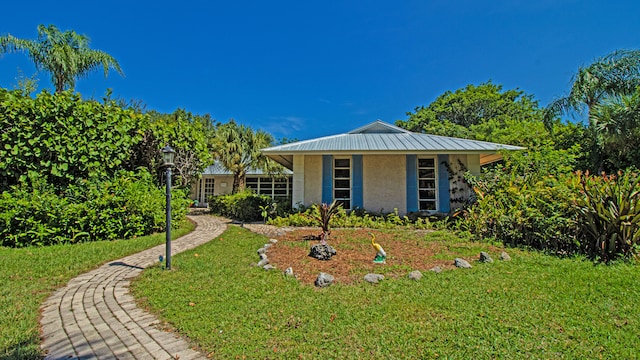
167	156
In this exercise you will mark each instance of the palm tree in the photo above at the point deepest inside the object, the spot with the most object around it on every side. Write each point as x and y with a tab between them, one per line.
66	55
614	75
237	147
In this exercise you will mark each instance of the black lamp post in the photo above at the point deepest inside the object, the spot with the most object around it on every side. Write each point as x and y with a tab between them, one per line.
167	157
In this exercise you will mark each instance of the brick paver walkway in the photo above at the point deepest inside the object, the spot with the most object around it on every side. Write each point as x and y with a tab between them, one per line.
95	317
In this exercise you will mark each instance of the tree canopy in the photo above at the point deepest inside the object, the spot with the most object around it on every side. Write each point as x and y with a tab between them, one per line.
65	55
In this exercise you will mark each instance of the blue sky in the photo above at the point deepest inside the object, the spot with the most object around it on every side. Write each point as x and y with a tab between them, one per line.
302	69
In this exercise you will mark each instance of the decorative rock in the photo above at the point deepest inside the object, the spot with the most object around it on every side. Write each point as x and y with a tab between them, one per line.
373	278
289	271
505	257
485	257
415	275
263	256
436	269
462	263
263	262
273	241
266	246
324	280
322	251
268	267
262	250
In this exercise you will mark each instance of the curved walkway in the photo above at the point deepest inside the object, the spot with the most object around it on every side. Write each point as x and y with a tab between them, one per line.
95	317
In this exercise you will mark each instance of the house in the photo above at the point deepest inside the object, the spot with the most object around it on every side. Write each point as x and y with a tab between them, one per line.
216	180
381	167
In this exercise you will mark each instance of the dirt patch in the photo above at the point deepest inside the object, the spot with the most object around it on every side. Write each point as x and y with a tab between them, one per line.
406	251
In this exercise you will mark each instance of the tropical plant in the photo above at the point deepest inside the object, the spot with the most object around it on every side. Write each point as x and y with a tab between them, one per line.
238	147
593	87
609	208
66	55
323	214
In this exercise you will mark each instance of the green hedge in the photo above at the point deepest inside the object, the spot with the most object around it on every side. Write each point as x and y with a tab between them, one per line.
243	206
129	205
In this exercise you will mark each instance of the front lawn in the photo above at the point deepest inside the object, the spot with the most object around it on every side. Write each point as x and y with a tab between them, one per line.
29	275
535	306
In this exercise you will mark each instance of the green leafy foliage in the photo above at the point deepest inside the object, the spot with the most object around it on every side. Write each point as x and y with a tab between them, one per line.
242	206
609	211
63	138
532	211
128	205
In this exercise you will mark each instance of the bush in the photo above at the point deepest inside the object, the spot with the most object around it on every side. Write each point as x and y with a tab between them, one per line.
243	206
129	205
609	209
534	211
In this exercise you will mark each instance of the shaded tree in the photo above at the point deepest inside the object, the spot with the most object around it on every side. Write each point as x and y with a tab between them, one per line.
65	55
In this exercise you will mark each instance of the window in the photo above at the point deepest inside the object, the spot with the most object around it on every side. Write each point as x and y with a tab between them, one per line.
342	181
427	184
208	188
273	187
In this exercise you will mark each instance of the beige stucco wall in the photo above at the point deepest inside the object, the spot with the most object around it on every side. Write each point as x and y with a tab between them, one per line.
312	179
384	183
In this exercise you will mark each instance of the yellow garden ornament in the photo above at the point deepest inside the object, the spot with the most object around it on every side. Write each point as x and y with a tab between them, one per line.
381	255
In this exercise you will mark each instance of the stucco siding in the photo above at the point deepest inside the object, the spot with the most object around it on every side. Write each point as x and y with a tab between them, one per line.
384	182
312	179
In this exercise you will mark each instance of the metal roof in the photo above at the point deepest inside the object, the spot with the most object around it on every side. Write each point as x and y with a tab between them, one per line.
218	169
381	137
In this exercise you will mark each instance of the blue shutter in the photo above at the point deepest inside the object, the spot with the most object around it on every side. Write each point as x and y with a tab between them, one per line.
412	183
356	178
444	197
327	178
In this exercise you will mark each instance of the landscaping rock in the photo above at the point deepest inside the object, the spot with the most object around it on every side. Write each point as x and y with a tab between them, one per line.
268	267
416	275
322	252
324	280
505	257
462	263
436	269
289	271
273	241
373	278
262	250
485	257
266	246
263	256
263	262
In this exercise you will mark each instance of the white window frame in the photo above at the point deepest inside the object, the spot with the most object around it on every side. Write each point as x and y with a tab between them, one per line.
423	200
346	201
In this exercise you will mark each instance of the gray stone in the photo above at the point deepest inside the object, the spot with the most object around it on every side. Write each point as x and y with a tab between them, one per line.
322	251
289	271
273	241
268	267
262	250
266	246
324	280
263	262
462	263
485	257
436	269
505	257
263	256
373	278
415	275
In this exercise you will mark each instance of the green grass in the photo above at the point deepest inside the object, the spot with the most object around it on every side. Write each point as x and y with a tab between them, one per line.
29	275
535	306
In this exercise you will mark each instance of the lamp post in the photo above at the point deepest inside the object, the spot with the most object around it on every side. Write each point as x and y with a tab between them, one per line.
167	157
